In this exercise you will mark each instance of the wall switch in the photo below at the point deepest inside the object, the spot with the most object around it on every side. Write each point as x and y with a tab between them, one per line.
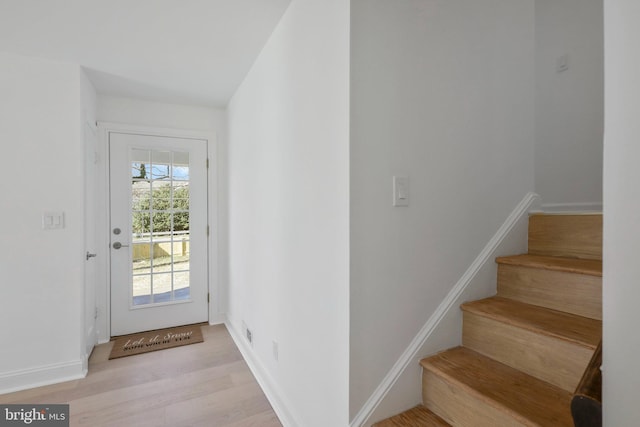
562	63
52	220
400	191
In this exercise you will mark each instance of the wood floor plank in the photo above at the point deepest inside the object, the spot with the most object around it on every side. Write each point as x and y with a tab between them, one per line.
418	416
263	419
218	409
189	385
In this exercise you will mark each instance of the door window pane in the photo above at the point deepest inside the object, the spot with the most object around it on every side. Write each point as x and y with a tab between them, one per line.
161	165
141	289
180	170
181	196
181	223
181	285
141	222
161	195
160	226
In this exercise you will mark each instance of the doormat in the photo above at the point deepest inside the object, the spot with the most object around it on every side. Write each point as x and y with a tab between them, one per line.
145	342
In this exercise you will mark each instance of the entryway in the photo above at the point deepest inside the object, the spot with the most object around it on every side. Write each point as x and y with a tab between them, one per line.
158	231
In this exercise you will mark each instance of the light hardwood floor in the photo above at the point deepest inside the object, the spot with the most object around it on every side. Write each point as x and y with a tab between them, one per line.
205	384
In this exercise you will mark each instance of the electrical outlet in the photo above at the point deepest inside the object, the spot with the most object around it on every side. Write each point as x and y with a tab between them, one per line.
247	333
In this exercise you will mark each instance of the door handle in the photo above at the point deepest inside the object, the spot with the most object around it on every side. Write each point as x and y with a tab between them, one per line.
90	255
118	245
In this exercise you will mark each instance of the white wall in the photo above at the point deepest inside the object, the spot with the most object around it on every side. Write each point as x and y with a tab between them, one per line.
41	271
213	121
288	212
569	104
621	376
155	114
442	92
89	99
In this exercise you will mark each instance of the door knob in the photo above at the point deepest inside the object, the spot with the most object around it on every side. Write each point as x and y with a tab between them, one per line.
118	245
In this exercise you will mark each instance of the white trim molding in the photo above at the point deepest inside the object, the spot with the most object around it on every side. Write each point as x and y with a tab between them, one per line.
273	393
575	208
103	323
450	302
41	376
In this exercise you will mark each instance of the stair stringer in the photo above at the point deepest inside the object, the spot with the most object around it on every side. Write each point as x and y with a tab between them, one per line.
401	388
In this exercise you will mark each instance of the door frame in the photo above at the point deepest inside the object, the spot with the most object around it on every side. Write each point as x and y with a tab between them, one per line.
90	149
103	293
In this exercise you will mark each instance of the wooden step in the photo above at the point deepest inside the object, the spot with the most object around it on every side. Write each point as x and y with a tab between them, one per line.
565	284
467	389
419	416
572	236
550	345
588	267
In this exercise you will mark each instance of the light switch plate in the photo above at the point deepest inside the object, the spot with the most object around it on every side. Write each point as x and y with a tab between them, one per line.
52	220
400	191
562	63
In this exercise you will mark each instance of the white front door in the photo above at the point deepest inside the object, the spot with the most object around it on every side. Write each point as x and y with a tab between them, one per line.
158	230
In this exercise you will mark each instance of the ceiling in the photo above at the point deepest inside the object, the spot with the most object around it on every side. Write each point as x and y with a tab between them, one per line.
180	51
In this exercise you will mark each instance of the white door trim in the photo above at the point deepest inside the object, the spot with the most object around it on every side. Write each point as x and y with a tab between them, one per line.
90	148
103	290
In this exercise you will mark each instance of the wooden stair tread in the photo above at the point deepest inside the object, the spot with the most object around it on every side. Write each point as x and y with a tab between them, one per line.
419	416
569	327
531	401
518	335
590	267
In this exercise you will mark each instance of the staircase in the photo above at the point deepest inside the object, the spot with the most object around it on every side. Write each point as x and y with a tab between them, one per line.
525	350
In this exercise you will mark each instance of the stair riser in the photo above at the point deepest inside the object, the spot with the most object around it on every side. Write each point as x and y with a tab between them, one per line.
573	293
578	236
462	408
547	358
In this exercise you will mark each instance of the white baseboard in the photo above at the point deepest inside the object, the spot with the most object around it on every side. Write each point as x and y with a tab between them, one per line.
410	354
269	386
41	376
